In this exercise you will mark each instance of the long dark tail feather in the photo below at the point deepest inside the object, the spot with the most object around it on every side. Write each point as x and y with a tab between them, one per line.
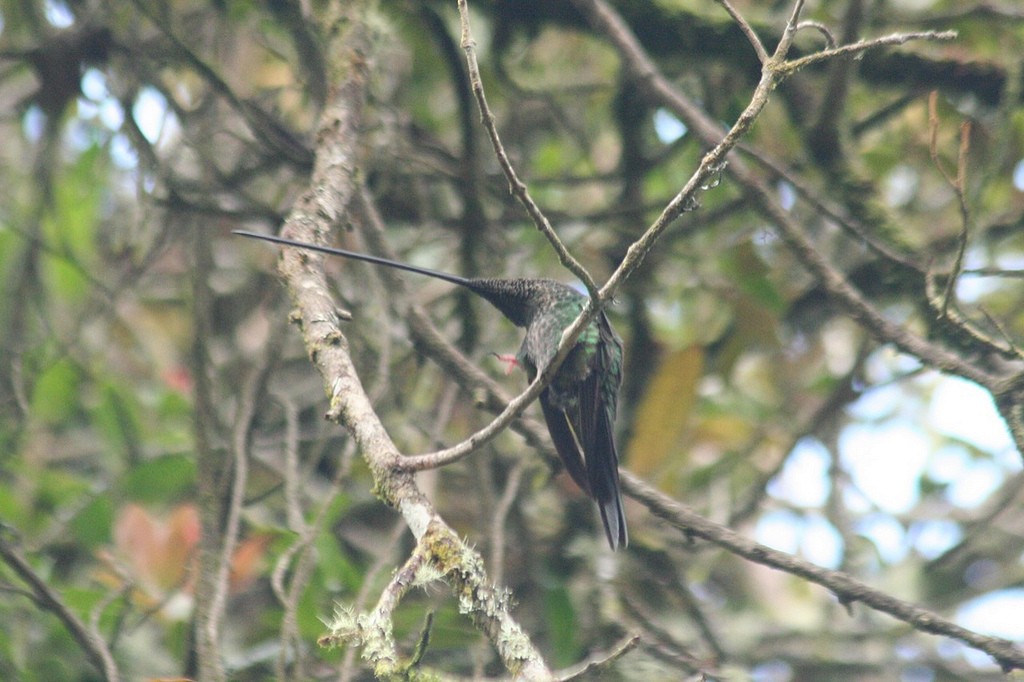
614	522
603	469
597	474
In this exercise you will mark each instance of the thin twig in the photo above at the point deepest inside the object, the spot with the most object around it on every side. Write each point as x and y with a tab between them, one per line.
667	644
388	550
790	67
592	669
830	40
792	26
958	184
265	127
714	160
994	272
665	94
824	206
512	411
500	516
212	472
1003	333
292	484
94	647
516	186
254	388
748	30
302	568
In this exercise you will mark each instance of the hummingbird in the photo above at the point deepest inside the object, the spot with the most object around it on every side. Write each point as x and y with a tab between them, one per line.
579	404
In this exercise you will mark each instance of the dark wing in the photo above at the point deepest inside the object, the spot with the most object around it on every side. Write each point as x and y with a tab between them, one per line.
565	441
602	456
585	433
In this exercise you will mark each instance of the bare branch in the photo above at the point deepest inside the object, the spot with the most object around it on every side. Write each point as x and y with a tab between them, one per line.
264	126
94	647
500	518
846	588
789	68
434	344
512	411
748	30
859	308
830	40
958	184
516	186
604	660
330	197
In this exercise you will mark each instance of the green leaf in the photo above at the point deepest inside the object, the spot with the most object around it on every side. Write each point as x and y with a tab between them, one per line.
116	417
561	617
160	480
78	196
66	278
91	525
55	395
338	573
70	228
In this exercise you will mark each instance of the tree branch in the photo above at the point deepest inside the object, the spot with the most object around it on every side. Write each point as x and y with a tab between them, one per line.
516	186
95	649
1004	389
327	201
664	93
789	68
846	588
